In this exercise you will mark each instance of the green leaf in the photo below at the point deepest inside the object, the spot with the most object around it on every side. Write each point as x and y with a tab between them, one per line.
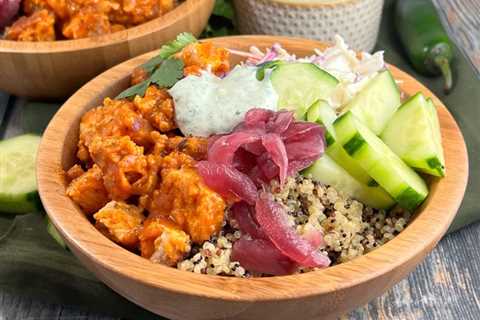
266	65
169	49
138	89
151	64
223	8
169	72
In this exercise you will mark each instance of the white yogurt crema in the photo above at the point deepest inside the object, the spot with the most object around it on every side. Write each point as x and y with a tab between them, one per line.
207	104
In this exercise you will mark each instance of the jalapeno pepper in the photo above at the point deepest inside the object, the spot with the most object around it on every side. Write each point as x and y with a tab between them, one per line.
426	43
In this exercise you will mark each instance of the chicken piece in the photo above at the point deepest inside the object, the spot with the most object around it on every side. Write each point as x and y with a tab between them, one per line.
74	172
114	118
66	9
139	74
88	191
174	160
89	21
31	6
177	160
157	107
117	27
204	56
162	241
37	27
120	222
61	8
126	170
134	12
196	147
160	144
184	198
167	5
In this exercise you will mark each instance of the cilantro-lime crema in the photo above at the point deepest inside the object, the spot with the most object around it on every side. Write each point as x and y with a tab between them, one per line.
207	104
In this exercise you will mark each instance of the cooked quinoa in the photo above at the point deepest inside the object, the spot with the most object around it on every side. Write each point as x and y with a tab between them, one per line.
213	257
350	228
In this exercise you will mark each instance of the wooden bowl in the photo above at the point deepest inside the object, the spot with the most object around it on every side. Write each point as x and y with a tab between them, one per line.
178	294
55	69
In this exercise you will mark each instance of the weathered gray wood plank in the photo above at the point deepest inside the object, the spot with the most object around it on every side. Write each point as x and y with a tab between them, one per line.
462	21
13	125
4	97
444	286
21	308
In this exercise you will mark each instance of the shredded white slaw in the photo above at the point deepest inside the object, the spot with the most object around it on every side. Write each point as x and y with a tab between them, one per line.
352	70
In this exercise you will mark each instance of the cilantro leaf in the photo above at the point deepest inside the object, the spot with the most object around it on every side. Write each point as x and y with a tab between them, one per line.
169	72
138	89
151	64
174	46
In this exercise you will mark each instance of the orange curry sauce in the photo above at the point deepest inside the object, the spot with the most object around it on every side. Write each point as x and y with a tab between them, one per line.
48	20
136	176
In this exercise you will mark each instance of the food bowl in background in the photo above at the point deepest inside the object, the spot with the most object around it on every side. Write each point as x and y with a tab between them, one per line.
55	69
357	21
176	294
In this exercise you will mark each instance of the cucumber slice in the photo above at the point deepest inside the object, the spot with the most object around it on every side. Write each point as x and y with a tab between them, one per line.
326	171
411	135
437	135
377	102
340	156
322	113
299	85
18	183
381	163
53	232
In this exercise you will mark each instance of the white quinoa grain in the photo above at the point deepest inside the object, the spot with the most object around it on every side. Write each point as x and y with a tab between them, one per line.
350	228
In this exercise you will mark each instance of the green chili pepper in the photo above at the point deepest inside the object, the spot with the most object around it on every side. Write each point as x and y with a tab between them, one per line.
426	43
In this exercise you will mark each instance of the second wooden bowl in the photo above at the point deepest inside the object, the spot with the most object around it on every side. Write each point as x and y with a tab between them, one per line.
56	69
177	294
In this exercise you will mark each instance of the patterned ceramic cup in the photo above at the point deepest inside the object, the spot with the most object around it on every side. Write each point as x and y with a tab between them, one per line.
357	21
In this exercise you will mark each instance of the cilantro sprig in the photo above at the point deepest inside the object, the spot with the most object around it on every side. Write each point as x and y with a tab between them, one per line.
163	70
172	47
169	72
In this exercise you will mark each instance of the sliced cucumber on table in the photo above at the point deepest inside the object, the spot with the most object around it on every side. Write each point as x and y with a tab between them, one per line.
377	102
299	85
18	183
328	172
413	134
53	232
322	113
380	162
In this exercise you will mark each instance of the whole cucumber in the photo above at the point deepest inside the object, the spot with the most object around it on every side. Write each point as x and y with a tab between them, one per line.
426	43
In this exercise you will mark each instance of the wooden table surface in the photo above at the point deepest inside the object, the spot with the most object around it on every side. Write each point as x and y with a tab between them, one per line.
445	286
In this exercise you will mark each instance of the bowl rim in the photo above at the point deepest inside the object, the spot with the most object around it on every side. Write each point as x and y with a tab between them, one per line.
416	240
187	7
